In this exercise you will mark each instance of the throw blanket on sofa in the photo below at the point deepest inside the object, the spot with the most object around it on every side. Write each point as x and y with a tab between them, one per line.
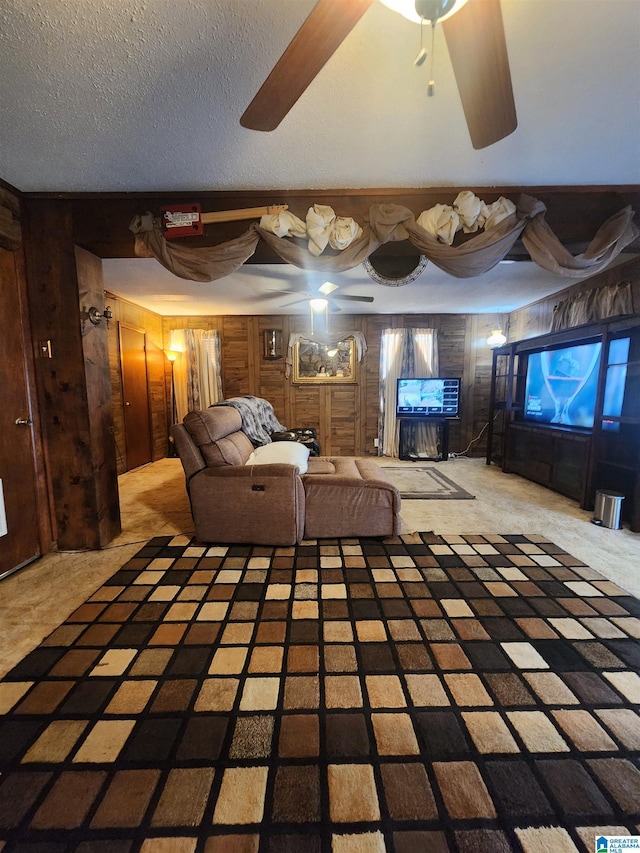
258	418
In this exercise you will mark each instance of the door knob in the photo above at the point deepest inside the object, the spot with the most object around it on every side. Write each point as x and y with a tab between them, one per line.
128	405
23	421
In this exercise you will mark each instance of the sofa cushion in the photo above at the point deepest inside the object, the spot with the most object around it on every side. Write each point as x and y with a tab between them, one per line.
211	424
218	435
321	465
286	452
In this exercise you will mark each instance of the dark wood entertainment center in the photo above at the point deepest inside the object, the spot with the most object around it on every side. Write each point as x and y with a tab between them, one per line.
573	461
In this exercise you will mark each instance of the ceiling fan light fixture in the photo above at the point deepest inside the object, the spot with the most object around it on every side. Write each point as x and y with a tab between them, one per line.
425	10
318	304
327	288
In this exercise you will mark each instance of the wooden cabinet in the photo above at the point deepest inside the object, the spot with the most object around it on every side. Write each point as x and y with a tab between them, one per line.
552	457
616	437
574	462
506	377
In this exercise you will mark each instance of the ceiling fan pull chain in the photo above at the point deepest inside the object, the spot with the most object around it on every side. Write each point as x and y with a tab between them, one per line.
422	55
431	88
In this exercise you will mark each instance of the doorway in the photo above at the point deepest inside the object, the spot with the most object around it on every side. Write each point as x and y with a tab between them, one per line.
135	396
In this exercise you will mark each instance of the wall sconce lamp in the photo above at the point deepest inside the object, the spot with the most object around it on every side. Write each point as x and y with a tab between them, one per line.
95	315
497	338
272	343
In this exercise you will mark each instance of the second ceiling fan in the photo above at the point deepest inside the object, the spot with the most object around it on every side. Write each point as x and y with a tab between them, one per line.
477	47
309	292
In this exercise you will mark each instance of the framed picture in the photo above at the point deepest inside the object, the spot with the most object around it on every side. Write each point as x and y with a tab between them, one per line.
333	363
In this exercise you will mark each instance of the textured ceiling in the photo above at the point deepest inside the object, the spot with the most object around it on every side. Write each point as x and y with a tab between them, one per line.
101	95
127	95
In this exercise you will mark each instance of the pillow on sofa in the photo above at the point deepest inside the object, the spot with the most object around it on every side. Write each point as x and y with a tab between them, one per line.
284	452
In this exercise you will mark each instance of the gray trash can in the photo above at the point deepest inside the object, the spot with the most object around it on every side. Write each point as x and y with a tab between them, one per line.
608	509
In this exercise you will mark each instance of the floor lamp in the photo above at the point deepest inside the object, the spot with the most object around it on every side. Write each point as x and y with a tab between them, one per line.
172	355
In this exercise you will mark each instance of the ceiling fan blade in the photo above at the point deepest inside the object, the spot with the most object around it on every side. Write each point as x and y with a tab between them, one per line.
290	291
352	298
329	23
295	302
478	51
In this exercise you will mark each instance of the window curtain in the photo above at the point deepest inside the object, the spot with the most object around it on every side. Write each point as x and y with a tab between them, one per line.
197	373
405	353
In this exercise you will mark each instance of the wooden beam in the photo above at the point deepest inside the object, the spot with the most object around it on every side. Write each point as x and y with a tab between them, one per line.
101	220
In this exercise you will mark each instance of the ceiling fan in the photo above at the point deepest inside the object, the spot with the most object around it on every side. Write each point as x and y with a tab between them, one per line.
323	296
477	47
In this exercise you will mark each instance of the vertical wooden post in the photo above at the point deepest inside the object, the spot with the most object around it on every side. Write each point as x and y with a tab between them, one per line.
85	499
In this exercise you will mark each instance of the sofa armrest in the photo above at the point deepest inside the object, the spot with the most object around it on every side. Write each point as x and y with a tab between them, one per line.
260	504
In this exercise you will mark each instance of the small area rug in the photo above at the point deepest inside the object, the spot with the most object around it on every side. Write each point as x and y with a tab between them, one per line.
422	483
421	693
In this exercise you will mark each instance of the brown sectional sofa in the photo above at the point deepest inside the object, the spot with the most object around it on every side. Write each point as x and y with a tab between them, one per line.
273	504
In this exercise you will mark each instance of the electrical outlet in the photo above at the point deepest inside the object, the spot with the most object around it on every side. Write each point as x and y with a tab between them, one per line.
375	442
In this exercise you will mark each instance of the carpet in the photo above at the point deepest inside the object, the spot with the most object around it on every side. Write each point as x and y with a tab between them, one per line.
425	484
421	693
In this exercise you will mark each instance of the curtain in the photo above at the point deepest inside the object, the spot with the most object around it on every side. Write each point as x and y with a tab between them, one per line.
614	300
390	367
405	353
197	374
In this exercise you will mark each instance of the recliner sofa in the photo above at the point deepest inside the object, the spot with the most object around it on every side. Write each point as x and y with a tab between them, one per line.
276	504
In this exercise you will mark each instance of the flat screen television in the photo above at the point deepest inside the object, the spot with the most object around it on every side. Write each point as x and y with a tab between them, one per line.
428	398
561	385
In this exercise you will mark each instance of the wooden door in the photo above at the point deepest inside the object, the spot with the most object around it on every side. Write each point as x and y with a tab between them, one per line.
135	396
18	509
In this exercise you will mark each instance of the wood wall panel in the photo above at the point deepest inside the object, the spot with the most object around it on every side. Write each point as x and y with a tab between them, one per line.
235	357
307	407
344	420
346	416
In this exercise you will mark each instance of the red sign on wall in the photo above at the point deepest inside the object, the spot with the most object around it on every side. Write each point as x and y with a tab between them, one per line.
182	220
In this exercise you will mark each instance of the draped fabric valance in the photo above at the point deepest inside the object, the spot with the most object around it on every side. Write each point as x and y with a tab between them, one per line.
391	223
614	300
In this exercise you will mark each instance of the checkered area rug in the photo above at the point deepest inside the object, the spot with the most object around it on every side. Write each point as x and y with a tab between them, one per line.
422	693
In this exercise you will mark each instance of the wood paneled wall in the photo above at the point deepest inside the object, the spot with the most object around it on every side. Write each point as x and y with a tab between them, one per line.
346	416
158	376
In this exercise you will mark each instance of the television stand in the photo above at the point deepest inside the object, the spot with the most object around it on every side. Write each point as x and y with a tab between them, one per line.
441	423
